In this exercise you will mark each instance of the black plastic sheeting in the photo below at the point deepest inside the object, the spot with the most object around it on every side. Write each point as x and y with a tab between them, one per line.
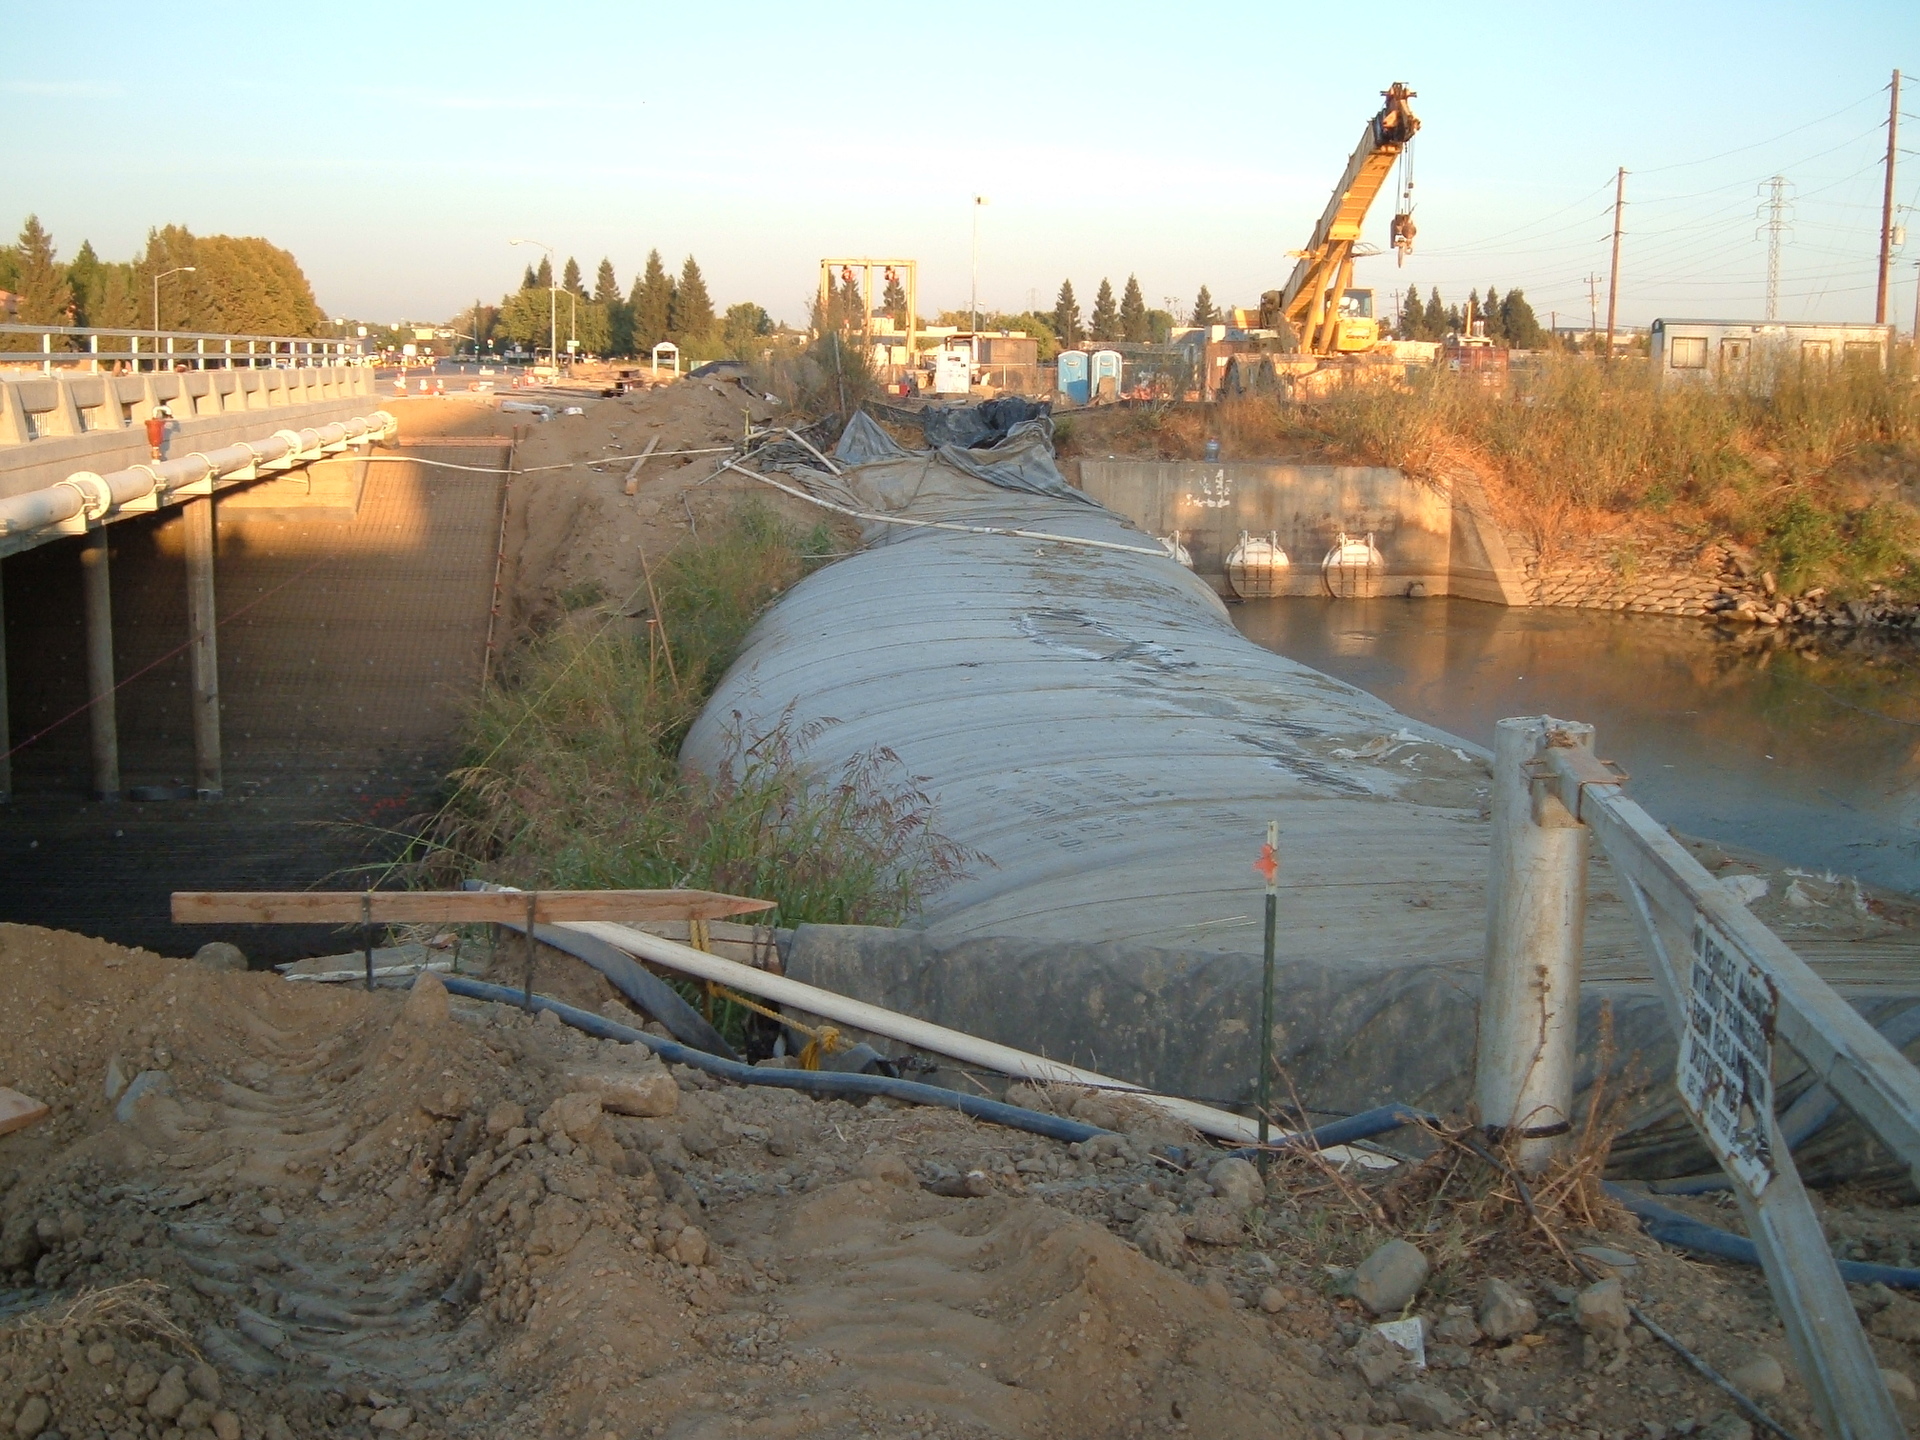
1020	460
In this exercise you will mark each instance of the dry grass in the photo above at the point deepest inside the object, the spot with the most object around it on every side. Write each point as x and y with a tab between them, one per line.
137	1308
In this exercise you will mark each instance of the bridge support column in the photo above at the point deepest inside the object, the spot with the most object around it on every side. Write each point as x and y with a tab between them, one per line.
97	588
6	737
203	651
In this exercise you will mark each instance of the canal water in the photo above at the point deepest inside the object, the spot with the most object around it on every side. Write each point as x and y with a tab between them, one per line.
1807	748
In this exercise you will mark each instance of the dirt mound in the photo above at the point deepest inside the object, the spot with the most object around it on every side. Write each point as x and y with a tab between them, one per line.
302	1210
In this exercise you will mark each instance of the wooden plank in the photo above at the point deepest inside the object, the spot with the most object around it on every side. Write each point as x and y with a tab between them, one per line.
450	907
18	1111
632	487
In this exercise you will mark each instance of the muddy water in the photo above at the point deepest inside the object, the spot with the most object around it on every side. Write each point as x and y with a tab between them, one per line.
1806	748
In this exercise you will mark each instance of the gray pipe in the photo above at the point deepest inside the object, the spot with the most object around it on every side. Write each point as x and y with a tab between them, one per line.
84	493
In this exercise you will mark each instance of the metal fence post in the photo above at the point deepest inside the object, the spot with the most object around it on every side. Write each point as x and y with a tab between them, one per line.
1536	919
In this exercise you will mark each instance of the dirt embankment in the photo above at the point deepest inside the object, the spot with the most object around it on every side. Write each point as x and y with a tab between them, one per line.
576	540
404	1215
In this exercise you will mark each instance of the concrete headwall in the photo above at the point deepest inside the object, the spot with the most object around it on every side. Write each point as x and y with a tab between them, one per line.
53	425
1433	536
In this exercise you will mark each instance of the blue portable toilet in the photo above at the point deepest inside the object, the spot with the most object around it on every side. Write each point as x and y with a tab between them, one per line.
1106	365
1070	378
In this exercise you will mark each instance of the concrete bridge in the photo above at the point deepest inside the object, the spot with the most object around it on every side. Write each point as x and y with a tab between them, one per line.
75	460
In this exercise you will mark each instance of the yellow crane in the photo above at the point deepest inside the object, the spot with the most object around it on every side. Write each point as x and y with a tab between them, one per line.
1319	311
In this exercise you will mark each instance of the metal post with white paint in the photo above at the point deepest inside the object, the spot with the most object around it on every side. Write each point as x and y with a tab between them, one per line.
97	593
1536	919
202	650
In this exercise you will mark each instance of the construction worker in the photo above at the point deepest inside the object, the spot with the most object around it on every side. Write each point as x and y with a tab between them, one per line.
157	431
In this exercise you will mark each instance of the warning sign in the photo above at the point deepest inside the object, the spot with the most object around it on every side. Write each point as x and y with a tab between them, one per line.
1726	1057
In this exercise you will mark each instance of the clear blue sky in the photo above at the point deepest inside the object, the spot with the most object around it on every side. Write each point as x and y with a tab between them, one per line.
395	148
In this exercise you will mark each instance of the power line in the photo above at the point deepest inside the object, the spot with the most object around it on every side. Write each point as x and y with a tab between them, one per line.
1777	204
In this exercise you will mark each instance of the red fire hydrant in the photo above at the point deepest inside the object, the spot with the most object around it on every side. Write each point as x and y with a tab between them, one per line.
157	433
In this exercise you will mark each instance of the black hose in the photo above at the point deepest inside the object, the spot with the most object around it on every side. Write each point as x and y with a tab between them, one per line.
1683	1232
813	1082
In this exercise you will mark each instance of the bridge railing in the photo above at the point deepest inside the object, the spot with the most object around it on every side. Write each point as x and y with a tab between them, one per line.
83	348
1731	986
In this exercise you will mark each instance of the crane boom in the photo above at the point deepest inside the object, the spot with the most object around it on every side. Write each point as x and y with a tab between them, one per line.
1310	305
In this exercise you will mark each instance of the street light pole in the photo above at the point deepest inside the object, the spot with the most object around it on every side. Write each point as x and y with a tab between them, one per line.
177	270
978	201
553	304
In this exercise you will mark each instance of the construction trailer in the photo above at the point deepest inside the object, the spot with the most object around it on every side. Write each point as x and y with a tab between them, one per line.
1696	350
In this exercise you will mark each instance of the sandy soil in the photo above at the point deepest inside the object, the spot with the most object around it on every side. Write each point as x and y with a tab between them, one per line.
395	1214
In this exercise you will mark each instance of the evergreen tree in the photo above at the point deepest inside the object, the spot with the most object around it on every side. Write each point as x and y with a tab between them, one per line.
850	305
85	276
893	300
1518	322
652	302
742	329
1203	312
543	277
1133	313
1104	323
45	296
1066	317
1436	315
691	314
570	278
529	280
1491	308
606	289
1413	317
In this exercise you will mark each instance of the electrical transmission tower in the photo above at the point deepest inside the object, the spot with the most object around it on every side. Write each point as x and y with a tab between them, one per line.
1776	208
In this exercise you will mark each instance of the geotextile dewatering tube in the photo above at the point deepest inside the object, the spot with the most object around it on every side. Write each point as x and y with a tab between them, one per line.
814	1082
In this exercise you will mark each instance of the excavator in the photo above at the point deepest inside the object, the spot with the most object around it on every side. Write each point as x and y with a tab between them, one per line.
1319	313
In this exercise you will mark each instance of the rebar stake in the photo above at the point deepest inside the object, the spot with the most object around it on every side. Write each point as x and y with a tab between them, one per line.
1269	866
366	931
526	999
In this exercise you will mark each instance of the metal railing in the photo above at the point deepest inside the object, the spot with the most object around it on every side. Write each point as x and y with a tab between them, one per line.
1731	987
78	347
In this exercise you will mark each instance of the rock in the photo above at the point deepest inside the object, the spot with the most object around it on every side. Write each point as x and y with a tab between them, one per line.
139	1383
1899	1319
226	1425
1216	1222
1762	1375
1899	1385
116	1079
219	955
1238	1183
277	1428
204	1381
690	1247
575	1115
884	1166
33	1417
1457	1330
1378	1359
395	1418
647	1094
169	1397
194	1415
156	1083
1161	1237
1390	1277
1725	1427
504	1117
1428	1407
1504	1312
1272	1301
100	1354
558	1224
1612	1264
1601	1310
787	1140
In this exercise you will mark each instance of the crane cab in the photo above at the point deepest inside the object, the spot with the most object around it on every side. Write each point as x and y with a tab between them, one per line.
1357	331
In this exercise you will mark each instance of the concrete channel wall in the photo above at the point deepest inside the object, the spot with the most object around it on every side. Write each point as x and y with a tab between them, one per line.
1436	537
53	425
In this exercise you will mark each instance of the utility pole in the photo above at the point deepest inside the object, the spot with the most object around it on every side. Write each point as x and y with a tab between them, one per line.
1593	306
1886	205
1775	208
978	201
1613	271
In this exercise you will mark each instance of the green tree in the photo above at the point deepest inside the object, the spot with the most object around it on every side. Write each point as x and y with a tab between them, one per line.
1490	310
543	277
691	316
1203	312
1413	317
45	296
652	302
742	329
606	289
1437	318
525	318
530	281
893	300
1066	317
85	277
1160	326
1133	313
570	278
1518	322
1104	322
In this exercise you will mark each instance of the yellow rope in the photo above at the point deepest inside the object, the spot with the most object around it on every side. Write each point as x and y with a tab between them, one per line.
823	1041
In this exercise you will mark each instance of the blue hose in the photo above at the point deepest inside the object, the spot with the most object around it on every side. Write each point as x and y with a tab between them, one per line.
1683	1232
814	1082
1363	1126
